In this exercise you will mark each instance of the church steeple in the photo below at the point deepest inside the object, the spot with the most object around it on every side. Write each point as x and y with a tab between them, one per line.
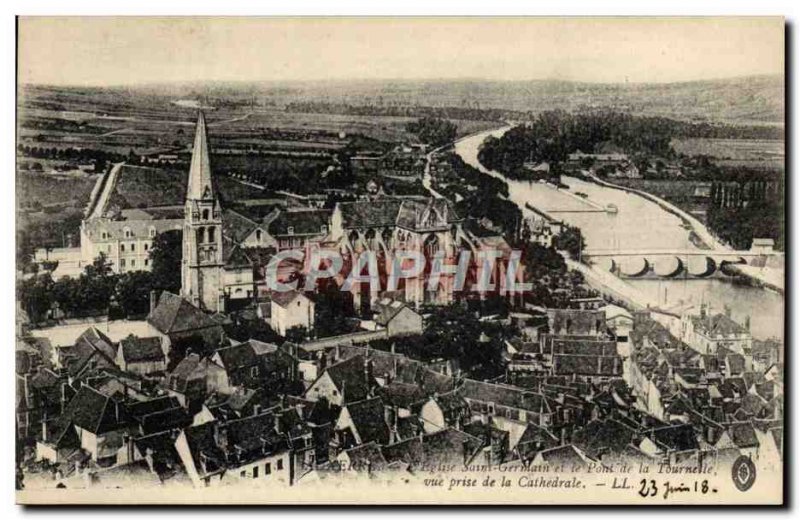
200	186
201	269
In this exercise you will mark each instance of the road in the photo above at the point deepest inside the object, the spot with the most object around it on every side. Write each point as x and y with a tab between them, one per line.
426	176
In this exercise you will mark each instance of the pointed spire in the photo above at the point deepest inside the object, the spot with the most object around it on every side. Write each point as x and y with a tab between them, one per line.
200	186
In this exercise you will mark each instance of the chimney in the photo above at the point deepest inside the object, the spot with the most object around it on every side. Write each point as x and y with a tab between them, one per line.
153	300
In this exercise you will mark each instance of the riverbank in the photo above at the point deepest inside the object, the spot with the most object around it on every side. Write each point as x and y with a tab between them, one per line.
701	232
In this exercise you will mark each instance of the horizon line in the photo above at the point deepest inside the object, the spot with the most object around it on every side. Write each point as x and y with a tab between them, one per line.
470	79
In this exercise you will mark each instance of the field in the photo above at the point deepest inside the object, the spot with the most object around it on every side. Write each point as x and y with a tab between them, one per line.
753	152
269	132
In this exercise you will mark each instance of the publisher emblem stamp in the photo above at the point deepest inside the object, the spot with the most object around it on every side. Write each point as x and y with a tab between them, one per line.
743	473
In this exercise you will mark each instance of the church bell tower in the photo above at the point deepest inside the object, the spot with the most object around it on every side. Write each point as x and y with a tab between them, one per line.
202	266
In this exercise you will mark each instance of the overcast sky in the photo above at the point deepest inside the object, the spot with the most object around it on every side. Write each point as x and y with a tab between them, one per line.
113	51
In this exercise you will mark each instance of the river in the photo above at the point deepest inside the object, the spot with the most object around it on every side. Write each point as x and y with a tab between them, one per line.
638	224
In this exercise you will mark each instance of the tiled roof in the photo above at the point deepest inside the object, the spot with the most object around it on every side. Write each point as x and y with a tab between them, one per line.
284	298
350	376
442	447
676	438
136	350
255	436
609	366
369	420
607	436
718	324
387	309
743	435
381	213
174	314
401	394
95	412
207	456
503	395
163	420
236	226
366	457
568	455
156	404
302	222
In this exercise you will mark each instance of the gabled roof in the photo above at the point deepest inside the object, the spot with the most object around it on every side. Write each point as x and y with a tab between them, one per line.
301	222
401	394
156	404
568	455
406	213
676	438
94	412
387	309
236	226
207	456
743	435
369	420
350	376
717	324
174	314
366	457
608	366
138	350
164	420
254	436
503	395
447	446
243	355
285	298
234	255
608	436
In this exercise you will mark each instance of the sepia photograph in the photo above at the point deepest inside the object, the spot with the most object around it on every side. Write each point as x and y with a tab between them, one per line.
400	260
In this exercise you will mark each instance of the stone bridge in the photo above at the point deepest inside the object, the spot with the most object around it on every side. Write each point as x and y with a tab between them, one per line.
676	263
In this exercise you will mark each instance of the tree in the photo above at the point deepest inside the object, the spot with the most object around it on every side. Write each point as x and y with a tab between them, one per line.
433	131
132	292
297	334
166	255
35	296
571	241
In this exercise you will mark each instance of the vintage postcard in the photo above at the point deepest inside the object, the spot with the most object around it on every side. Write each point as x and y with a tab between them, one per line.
400	260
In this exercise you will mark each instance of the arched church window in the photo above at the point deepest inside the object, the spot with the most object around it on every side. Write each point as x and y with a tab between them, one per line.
205	214
211	234
258	235
200	235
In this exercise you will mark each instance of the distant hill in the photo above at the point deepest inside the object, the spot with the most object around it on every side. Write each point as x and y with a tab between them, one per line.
744	100
750	100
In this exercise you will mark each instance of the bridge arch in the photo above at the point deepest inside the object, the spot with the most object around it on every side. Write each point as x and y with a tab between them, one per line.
634	267
668	267
701	266
724	265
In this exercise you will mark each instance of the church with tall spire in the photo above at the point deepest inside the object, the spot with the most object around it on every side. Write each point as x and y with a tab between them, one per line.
203	262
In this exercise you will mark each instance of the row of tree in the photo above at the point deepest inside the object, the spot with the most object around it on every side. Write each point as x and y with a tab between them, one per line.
98	290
